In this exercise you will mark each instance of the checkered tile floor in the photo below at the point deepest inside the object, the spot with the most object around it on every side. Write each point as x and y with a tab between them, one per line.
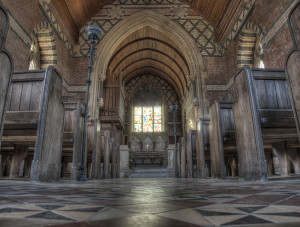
150	202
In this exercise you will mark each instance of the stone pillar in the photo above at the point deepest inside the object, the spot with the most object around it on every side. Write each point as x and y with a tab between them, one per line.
218	168
202	142
124	161
106	154
171	160
183	158
280	151
294	156
251	159
19	155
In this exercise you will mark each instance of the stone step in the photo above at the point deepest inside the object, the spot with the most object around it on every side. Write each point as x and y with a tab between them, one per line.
149	173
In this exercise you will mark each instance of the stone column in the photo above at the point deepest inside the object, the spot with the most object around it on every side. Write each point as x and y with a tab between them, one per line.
183	158
218	168
171	160
19	155
106	154
280	151
294	156
124	161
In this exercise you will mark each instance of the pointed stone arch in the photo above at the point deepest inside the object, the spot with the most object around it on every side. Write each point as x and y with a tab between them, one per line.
131	24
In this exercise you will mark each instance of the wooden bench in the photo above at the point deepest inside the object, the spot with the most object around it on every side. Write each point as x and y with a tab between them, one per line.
6	68
293	64
34	117
202	147
72	139
263	116
221	137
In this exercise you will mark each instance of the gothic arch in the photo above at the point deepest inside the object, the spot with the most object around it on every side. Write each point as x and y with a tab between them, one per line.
130	25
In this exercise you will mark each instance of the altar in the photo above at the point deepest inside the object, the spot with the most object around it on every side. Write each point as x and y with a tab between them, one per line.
148	152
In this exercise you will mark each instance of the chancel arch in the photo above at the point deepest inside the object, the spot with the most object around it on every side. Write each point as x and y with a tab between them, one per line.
149	29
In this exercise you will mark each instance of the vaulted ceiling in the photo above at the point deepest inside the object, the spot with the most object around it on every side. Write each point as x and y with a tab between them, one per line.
148	51
76	13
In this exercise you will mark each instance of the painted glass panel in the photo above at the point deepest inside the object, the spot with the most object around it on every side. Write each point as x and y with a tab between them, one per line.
157	111
148	127
138	127
157	119
138	119
157	127
147	111
137	111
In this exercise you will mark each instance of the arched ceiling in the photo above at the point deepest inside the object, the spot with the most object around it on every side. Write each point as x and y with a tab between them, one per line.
76	13
148	51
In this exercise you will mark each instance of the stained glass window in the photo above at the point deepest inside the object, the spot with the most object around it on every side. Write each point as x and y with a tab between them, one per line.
138	119
147	119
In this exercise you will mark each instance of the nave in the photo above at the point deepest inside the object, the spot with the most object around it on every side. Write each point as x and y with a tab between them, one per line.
151	202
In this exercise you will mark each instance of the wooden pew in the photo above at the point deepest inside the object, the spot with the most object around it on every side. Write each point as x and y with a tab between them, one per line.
293	64
263	116
95	152
72	139
191	154
202	146
34	117
221	137
6	68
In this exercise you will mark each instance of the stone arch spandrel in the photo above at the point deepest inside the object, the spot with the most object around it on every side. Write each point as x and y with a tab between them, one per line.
131	24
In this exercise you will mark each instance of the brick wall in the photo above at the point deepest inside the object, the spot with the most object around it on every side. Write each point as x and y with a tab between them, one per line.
265	14
275	54
28	15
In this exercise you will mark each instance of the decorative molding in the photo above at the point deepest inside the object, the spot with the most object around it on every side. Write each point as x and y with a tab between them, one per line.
194	25
237	26
14	25
276	27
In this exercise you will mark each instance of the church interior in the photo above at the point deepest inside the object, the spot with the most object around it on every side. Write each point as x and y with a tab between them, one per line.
150	113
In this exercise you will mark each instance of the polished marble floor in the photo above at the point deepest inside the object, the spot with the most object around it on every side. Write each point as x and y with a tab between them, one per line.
150	202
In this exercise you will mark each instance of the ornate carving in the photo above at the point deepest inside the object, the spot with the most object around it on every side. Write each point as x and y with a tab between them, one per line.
148	144
135	144
160	144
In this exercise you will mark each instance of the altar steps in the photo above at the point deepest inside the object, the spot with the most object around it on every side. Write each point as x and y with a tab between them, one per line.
147	172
